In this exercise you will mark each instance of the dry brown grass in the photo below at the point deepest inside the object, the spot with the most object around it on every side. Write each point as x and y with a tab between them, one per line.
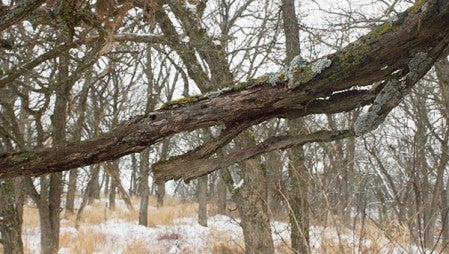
167	214
30	216
223	243
369	239
86	241
89	241
139	247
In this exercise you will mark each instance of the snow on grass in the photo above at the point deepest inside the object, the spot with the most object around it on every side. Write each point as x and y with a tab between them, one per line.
118	232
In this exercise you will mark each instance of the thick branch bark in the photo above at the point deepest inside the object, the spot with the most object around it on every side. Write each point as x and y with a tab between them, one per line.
171	169
373	58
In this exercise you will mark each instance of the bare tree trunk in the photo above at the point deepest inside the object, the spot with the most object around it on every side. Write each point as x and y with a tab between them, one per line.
49	204
202	200
89	193
251	199
106	185
71	191
160	191
221	195
55	193
112	190
160	194
144	188
276	184
298	200
93	192
445	215
11	210
299	183
134	173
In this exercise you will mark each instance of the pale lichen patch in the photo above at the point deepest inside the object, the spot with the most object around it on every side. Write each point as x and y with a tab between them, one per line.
321	64
275	77
417	63
301	72
213	94
386	100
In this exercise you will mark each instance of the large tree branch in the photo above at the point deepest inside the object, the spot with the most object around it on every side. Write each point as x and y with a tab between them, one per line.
390	48
193	167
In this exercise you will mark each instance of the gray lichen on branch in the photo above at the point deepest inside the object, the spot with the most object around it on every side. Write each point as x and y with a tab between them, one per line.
391	95
300	71
369	121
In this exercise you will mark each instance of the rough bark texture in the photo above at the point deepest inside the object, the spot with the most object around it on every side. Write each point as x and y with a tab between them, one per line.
144	187
251	200
418	35
11	203
71	191
202	201
221	195
298	173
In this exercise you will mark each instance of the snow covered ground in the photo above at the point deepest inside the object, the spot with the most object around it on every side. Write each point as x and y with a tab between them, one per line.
185	235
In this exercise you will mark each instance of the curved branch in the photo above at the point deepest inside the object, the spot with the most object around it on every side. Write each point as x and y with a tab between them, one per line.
193	167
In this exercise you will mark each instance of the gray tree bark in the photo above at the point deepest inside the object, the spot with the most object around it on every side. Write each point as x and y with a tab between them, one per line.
251	200
144	187
221	195
11	210
202	200
298	173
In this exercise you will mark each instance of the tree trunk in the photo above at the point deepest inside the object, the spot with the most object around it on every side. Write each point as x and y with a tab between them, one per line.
221	195
106	185
144	188
276	184
445	215
298	200
202	200
112	192
115	167
93	192
71	191
251	200
11	210
298	181
134	174
160	194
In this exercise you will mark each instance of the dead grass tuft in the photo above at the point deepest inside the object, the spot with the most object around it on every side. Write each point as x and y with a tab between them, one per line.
139	247
223	243
167	214
83	241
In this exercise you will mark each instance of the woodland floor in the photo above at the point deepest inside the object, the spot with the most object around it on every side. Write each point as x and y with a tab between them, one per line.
173	229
